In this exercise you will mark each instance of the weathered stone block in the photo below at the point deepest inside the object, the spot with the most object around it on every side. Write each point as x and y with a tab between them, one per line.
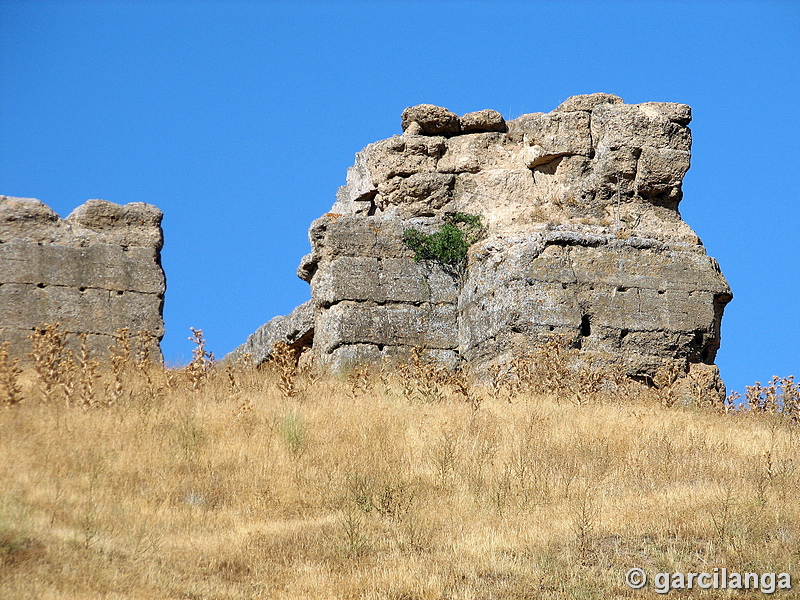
587	102
482	121
403	156
382	280
472	153
425	326
582	240
431	120
94	272
105	266
548	136
295	330
630	126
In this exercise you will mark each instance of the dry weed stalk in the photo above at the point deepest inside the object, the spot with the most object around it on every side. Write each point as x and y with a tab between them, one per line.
458	379
407	379
87	375
359	381
233	376
284	361
781	397
51	359
547	370
143	351
146	368
521	374
234	388
731	403
664	381
10	390
423	380
498	377
590	382
242	376
508	379
198	369
584	519
555	368
119	360
307	372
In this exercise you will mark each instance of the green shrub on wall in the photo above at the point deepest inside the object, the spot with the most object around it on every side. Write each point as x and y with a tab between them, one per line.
449	245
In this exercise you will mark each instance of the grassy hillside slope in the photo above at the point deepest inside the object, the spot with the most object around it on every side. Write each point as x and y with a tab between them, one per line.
227	482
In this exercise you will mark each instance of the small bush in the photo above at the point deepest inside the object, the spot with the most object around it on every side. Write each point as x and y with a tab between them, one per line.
449	245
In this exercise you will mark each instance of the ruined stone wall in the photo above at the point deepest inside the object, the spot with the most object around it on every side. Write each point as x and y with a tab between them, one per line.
94	272
583	239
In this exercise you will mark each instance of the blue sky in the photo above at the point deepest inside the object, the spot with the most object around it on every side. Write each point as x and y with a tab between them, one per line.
239	120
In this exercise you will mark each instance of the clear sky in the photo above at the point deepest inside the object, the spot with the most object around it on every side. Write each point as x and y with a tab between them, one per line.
239	119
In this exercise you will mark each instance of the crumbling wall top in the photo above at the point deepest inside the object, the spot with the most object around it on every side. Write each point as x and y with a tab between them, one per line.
95	272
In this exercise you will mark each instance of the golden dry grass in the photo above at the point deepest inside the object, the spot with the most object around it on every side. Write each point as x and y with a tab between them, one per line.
215	483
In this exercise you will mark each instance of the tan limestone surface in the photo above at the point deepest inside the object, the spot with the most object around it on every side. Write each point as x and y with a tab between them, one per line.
584	239
94	272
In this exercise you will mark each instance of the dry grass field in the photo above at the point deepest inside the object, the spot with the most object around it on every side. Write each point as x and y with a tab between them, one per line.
228	482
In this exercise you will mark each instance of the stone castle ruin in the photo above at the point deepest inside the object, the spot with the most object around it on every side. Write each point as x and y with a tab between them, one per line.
94	272
582	239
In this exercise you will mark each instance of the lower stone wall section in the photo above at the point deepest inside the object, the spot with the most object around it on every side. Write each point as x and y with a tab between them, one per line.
95	272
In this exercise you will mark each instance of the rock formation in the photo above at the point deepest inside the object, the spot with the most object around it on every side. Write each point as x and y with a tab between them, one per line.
94	272
295	329
583	239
